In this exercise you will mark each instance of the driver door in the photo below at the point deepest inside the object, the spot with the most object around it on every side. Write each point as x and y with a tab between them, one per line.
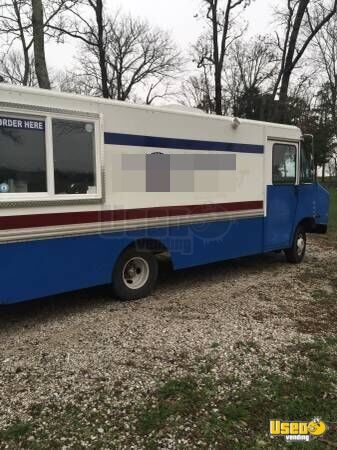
282	195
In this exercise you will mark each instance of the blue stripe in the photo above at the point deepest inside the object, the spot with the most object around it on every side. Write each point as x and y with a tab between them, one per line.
133	140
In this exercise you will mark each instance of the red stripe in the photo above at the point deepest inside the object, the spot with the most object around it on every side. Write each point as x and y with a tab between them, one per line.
75	218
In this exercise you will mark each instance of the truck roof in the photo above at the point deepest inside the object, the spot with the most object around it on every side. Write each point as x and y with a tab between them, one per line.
171	109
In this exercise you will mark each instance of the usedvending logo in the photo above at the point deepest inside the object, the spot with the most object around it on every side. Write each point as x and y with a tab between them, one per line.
297	430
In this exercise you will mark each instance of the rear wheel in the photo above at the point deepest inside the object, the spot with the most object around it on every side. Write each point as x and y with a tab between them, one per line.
135	275
296	252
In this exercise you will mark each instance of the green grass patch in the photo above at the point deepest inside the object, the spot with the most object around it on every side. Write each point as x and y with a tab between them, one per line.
318	315
56	425
177	397
324	298
247	346
16	432
240	420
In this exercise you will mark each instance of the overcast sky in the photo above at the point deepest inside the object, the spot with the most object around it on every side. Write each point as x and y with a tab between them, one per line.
176	16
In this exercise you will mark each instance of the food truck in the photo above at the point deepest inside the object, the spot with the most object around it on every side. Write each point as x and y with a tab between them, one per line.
92	191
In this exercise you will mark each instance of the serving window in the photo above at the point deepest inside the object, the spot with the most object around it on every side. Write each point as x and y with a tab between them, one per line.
23	166
74	157
48	157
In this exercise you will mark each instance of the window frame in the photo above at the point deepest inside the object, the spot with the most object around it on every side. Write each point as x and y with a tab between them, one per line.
296	146
50	195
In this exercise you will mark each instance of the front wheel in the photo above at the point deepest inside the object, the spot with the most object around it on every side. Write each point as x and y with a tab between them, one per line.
135	275
296	252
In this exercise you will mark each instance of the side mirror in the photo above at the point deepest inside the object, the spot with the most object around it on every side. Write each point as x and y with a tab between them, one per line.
308	140
308	150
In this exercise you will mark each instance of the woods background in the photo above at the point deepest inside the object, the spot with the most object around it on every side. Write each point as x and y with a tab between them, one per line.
288	75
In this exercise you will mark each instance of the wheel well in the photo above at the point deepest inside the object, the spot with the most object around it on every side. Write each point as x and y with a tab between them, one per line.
308	224
149	245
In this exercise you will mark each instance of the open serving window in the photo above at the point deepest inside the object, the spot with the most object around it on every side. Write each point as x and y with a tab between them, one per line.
49	157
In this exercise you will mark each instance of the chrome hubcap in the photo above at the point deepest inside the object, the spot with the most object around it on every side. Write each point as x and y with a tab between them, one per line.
136	273
300	245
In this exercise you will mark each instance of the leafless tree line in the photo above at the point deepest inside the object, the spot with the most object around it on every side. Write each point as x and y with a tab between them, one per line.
288	76
232	66
125	58
118	56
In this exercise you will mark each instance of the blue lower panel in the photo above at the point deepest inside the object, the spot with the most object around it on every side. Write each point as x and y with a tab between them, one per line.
281	211
46	267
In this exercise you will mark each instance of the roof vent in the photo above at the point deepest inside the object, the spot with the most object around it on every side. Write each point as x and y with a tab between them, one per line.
236	123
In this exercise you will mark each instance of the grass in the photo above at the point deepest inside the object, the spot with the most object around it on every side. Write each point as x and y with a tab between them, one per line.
220	413
177	397
240	421
16	432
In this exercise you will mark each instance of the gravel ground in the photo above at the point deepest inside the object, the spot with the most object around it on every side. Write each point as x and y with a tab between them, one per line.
79	344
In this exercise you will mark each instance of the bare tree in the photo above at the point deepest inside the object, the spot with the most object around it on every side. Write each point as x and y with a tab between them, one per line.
13	69
136	55
295	41
213	48
90	30
39	48
196	92
256	61
249	75
161	88
325	57
72	81
15	25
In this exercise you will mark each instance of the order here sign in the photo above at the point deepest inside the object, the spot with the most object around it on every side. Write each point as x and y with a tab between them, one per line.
21	124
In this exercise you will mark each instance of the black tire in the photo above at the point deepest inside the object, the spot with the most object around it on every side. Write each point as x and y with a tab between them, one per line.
125	277
296	252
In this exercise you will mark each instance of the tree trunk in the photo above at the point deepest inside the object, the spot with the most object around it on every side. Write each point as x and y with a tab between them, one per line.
282	106
23	43
217	65
39	50
315	171
101	48
27	67
218	91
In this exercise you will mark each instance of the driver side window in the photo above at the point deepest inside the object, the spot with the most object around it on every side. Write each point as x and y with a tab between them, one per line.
284	164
